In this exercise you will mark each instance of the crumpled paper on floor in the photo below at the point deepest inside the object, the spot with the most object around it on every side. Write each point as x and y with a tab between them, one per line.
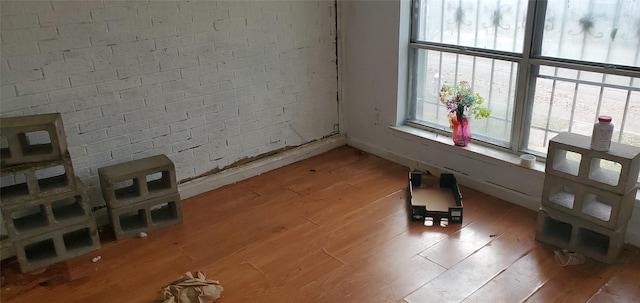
565	257
190	289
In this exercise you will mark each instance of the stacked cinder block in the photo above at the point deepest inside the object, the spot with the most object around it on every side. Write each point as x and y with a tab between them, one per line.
141	195
588	196
44	206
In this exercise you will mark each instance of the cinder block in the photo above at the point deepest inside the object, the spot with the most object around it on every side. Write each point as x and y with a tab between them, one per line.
34	138
575	234
36	180
570	156
58	245
43	215
139	180
130	220
595	205
7	249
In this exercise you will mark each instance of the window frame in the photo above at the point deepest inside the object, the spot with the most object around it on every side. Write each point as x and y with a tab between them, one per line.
528	62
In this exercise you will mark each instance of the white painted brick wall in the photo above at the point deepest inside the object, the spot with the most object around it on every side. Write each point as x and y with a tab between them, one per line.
207	83
118	85
64	43
44	85
19	48
29	34
16	76
19	21
100	76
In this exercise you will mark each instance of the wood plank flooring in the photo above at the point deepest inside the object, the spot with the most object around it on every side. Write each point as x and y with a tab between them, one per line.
332	228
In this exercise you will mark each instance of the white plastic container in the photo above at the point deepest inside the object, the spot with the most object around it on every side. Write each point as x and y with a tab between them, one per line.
602	132
527	161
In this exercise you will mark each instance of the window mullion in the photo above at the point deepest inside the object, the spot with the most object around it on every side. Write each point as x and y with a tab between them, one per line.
626	110
413	70
597	68
467	51
527	73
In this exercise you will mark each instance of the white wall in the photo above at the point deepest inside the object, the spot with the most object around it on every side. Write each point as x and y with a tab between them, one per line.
207	83
373	41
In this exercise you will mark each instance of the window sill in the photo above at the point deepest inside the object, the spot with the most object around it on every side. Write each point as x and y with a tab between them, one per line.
485	153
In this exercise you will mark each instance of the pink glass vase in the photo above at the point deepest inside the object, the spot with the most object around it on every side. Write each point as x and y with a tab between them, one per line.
460	131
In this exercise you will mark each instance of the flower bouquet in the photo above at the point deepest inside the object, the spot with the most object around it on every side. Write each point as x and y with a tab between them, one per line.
460	99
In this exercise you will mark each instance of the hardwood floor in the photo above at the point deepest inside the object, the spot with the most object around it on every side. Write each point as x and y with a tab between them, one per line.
333	228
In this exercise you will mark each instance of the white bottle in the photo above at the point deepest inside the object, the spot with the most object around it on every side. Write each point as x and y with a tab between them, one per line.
602	132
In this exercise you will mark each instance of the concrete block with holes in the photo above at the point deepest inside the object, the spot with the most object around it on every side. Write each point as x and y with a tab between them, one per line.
44	206
7	249
588	196
136	181
574	234
151	214
57	245
589	203
30	181
141	195
33	138
570	156
46	214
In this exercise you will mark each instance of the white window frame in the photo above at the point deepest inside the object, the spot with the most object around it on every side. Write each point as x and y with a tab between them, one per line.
527	73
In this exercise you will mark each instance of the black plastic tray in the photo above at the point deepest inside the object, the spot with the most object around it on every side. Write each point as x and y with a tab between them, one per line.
435	198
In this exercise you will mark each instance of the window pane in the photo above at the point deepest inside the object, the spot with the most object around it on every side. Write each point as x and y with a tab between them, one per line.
604	31
581	32
490	24
493	79
570	101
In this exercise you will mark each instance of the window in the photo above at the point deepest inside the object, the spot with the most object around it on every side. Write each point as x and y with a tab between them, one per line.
543	67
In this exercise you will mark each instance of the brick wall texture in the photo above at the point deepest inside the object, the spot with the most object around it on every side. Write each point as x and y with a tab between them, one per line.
205	82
